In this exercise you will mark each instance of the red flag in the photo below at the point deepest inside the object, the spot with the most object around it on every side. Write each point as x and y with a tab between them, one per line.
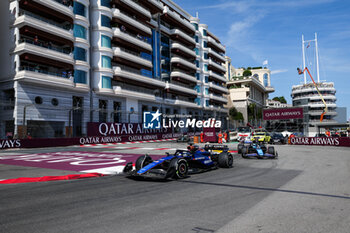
300	71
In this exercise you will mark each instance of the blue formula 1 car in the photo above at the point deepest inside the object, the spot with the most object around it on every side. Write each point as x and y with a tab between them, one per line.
258	150
181	163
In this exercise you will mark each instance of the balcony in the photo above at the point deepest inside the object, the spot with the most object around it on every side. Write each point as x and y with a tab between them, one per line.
181	49
175	18
321	105
134	94
134	8
183	63
122	73
218	88
181	76
180	90
181	103
178	35
216	66
57	5
216	55
215	45
218	98
131	57
318	113
39	23
155	6
127	39
217	77
42	77
131	22
40	51
215	108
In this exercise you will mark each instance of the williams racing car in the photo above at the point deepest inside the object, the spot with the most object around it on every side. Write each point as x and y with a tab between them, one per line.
258	150
180	164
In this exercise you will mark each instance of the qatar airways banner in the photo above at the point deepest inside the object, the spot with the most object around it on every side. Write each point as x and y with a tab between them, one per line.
282	114
321	141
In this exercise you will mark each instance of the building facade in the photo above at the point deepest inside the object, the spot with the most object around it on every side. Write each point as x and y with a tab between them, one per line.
65	63
248	91
305	95
276	104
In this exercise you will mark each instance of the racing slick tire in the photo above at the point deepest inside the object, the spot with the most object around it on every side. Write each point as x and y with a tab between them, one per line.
225	160
244	152
142	161
239	148
178	169
181	170
271	150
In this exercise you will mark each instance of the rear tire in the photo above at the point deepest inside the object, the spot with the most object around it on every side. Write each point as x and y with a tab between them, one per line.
239	148
225	160
244	152
271	150
142	161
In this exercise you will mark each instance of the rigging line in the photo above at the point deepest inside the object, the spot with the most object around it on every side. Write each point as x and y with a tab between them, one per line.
325	110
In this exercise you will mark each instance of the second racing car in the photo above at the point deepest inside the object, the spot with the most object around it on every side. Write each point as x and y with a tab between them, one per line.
258	150
181	163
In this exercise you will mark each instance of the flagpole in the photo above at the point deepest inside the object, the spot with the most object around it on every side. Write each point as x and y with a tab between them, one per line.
303	48
317	65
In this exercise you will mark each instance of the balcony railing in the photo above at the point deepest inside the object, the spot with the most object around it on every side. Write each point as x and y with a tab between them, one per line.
62	74
27	13
67	3
46	45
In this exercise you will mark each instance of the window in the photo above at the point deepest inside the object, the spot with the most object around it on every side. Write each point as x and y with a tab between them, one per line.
79	31
102	104
197	63
79	54
198	76
197	51
106	82
266	80
206	79
198	89
79	9
106	41
106	62
205	67
196	38
105	21
38	100
204	32
54	102
106	3
80	76
197	101
207	103
206	56
195	26
206	91
205	44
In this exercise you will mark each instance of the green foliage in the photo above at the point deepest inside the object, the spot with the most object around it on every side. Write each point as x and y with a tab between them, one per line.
281	99
247	73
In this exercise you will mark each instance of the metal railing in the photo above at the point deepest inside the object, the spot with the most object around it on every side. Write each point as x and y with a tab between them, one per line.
30	14
46	45
62	74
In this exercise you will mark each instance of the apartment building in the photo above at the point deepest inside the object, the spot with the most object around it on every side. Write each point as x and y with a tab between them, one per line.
247	90
65	63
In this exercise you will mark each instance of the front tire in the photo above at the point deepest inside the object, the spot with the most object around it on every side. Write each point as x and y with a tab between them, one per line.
244	152
142	161
239	148
181	170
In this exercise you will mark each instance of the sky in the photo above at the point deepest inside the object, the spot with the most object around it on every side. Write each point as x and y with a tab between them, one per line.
257	30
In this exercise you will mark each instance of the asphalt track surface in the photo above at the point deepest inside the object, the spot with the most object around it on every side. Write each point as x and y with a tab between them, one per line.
305	190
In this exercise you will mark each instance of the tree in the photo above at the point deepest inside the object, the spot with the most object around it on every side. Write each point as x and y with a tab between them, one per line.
233	113
247	73
280	99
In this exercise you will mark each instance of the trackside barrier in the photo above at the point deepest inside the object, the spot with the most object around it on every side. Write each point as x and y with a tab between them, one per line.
321	141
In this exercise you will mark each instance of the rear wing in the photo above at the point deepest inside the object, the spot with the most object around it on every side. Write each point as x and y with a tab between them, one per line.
216	147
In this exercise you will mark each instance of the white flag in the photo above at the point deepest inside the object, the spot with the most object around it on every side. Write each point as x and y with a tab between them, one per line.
265	63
